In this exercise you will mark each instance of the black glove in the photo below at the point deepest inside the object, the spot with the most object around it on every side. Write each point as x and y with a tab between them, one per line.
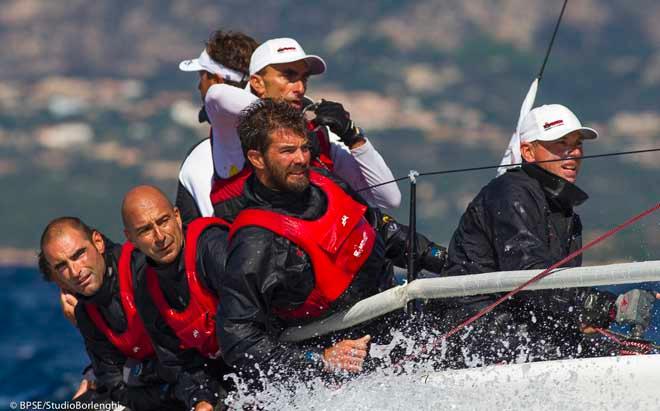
333	115
430	256
434	257
634	308
597	309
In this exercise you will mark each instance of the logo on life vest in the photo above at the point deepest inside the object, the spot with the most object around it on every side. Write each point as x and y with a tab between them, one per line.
282	49
552	124
344	220
195	333
136	349
360	249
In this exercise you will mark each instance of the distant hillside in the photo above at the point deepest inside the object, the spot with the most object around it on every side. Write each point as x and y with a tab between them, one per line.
91	101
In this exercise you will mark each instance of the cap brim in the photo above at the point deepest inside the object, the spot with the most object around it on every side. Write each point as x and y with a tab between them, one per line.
588	133
190	65
316	64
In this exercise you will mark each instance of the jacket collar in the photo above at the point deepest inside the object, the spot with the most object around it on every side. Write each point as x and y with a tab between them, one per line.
308	205
563	193
172	270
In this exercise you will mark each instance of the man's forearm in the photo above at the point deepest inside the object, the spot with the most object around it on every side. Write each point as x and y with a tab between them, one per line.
254	352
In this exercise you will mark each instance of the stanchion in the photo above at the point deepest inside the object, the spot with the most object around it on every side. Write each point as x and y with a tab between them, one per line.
412	237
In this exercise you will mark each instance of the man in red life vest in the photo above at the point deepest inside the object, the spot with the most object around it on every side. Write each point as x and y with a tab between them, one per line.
305	246
176	292
98	272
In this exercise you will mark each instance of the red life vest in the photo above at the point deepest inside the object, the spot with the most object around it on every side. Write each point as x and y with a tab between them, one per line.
226	189
338	243
195	325
134	342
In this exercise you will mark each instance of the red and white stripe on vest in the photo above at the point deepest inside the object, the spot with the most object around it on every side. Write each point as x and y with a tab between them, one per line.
338	243
195	325
226	189
134	342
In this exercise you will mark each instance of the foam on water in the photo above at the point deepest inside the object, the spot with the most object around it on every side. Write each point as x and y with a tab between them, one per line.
602	383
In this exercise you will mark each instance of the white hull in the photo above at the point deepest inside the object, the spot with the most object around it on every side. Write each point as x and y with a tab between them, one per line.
612	383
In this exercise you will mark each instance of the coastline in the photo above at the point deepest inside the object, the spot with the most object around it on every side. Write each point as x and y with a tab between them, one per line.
18	257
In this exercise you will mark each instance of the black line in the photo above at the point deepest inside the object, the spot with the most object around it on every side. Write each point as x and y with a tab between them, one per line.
463	170
552	40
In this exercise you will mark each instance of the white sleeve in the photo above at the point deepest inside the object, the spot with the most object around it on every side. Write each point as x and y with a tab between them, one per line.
363	167
224	103
196	176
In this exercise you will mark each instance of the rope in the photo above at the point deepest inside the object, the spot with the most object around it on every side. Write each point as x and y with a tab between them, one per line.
628	347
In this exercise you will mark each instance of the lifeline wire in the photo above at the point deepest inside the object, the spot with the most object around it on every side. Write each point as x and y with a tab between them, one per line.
462	170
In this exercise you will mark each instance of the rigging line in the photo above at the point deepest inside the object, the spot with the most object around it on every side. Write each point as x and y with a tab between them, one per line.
552	40
621	338
462	170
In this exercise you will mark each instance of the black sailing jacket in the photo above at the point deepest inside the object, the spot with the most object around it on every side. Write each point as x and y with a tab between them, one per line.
523	220
194	377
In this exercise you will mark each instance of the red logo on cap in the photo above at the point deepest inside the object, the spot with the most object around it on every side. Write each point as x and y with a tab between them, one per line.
281	49
549	125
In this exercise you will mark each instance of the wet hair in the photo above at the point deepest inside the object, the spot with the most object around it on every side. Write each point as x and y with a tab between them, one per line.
55	227
232	50
258	120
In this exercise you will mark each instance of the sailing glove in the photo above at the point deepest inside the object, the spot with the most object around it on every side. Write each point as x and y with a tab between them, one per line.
634	308
333	115
598	308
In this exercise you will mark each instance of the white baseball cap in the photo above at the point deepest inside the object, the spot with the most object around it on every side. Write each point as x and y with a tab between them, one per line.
283	50
206	63
552	122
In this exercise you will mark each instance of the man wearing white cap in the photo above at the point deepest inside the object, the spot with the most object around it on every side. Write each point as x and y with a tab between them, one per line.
279	69
224	61
524	219
530	204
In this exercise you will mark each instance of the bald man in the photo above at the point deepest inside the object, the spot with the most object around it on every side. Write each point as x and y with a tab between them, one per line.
176	293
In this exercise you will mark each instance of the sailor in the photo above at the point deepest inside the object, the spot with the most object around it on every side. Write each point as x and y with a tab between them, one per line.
280	68
225	60
306	245
525	219
98	272
176	293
